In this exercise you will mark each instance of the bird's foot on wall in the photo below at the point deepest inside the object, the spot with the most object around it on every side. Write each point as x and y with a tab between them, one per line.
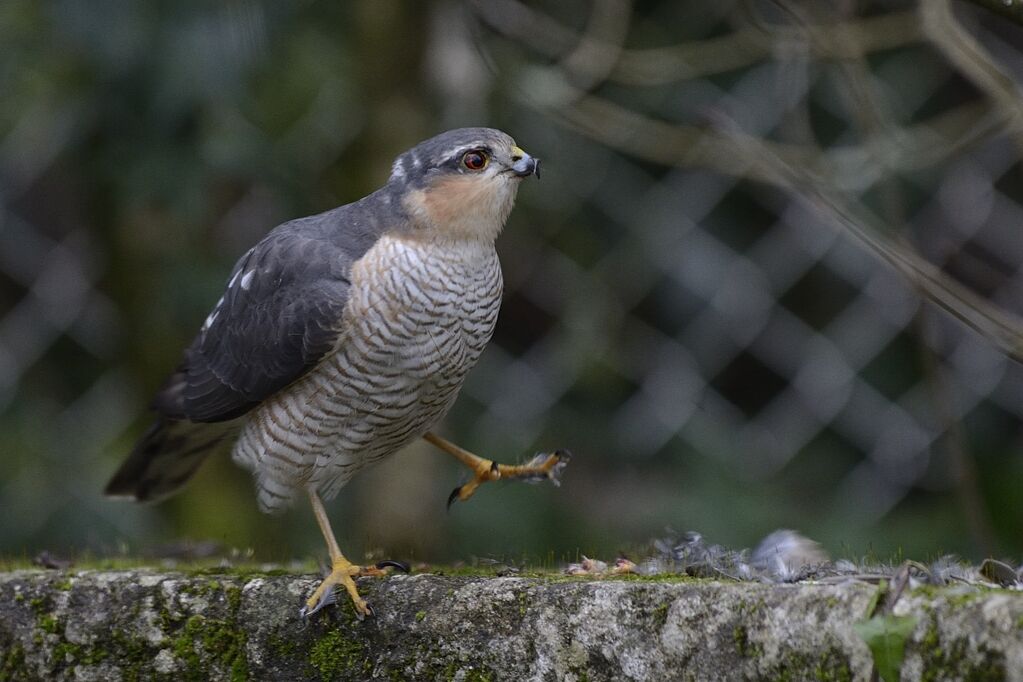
343	574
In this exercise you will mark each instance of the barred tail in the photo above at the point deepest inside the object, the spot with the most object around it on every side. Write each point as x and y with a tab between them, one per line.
165	458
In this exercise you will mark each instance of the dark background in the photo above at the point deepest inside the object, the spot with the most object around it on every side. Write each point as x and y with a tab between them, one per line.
718	355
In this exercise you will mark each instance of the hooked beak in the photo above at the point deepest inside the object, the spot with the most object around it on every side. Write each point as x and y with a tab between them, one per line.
524	165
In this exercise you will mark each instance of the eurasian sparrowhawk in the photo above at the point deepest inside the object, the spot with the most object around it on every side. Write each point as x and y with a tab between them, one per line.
342	337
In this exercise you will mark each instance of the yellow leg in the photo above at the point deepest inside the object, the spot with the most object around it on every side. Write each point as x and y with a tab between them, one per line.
541	467
343	571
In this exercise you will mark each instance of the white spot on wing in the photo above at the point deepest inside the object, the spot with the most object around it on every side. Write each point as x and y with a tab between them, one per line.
234	278
396	170
247	279
211	318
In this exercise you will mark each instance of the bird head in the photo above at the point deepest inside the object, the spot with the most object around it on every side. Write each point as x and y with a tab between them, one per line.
462	184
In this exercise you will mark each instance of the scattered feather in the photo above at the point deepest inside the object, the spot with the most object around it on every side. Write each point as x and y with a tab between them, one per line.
47	559
786	556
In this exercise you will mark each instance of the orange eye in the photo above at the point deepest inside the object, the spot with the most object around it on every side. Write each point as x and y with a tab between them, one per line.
475	160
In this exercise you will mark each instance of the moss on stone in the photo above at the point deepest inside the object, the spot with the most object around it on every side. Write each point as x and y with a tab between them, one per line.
48	623
660	578
931	640
243	572
184	646
282	645
132	653
334	656
12	664
234	598
832	665
958	594
477	674
740	633
66	652
956	659
523	602
204	640
557	576
740	637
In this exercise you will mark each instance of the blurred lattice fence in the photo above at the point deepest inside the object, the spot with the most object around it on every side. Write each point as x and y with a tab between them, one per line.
693	304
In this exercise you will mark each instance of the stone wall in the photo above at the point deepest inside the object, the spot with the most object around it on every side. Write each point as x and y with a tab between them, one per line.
147	624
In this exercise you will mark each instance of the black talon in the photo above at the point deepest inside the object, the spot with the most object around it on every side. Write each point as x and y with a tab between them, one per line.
564	455
372	613
453	496
494	468
400	565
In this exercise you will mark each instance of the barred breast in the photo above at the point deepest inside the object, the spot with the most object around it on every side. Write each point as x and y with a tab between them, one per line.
418	316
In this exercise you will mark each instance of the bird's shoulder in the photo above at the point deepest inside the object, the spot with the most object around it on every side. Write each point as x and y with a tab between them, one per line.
339	236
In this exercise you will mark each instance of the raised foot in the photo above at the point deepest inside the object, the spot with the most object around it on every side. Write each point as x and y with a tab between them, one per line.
343	573
543	467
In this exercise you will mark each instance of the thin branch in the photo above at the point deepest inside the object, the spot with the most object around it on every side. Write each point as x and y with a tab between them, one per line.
742	48
696	59
816	176
999	327
966	53
1010	9
597	50
847	167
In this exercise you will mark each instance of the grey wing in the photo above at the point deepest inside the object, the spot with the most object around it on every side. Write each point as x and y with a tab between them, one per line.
281	313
